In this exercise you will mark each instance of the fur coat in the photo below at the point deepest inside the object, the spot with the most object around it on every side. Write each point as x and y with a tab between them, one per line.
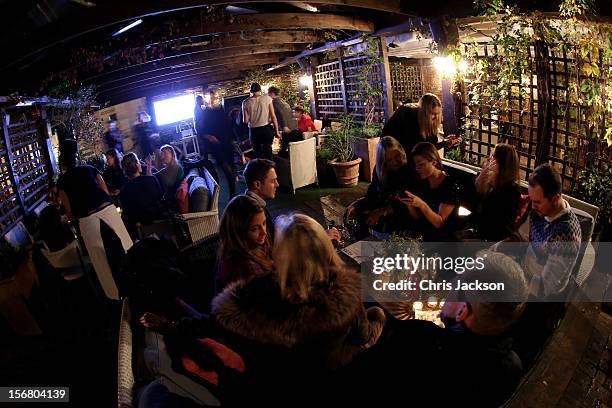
330	328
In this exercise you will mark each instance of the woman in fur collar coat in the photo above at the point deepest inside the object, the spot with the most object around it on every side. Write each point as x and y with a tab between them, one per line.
311	304
312	301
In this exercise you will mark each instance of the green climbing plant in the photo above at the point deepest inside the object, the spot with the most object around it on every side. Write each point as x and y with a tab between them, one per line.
506	74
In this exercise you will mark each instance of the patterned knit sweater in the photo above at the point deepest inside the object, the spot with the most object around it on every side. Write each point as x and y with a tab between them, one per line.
554	244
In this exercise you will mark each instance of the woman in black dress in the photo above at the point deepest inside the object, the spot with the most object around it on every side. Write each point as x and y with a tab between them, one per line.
434	209
499	192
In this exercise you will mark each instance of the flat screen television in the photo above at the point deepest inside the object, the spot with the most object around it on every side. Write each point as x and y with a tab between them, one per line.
175	109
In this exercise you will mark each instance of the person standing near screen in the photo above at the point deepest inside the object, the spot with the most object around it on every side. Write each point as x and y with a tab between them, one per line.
258	113
114	138
217	135
143	129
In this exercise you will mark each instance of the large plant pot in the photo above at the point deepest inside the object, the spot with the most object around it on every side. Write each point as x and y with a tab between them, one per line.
325	174
366	149
347	174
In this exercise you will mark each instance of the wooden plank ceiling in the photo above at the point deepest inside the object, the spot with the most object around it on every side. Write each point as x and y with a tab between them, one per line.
179	44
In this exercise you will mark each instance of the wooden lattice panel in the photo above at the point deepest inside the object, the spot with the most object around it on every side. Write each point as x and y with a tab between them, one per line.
29	162
24	165
328	81
517	127
407	81
570	149
353	82
10	209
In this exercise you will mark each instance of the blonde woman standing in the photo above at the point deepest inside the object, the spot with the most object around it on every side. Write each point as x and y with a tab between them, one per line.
414	123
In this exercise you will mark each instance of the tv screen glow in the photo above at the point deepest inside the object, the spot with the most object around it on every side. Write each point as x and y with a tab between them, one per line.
174	110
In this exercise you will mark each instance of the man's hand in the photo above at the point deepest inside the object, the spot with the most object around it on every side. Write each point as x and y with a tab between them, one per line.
212	139
286	129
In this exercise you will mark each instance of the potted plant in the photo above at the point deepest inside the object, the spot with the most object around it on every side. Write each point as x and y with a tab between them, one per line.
324	172
340	143
366	142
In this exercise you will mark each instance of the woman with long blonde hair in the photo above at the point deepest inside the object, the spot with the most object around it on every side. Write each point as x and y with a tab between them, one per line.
245	248
422	122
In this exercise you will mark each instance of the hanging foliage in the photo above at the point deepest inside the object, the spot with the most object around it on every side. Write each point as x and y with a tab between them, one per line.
504	76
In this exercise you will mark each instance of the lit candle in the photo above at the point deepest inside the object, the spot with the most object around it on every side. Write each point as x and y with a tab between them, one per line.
432	301
417	306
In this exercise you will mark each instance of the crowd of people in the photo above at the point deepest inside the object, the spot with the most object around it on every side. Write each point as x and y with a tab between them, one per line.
287	304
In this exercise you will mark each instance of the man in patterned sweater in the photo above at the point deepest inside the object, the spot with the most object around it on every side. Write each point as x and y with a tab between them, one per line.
554	235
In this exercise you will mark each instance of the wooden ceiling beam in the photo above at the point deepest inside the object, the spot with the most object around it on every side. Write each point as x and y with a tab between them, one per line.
189	52
257	59
195	59
234	23
198	73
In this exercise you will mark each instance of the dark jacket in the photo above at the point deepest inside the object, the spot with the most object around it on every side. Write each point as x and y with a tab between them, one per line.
447	367
114	178
497	213
288	349
403	125
141	200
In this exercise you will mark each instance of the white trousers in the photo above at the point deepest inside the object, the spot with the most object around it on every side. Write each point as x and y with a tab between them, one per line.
90	230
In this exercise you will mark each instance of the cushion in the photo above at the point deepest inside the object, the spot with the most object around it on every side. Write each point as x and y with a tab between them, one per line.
199	195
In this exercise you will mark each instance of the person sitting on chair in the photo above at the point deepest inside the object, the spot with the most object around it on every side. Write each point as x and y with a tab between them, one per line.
305	123
262	182
380	209
141	198
500	196
245	248
435	208
469	362
171	175
54	230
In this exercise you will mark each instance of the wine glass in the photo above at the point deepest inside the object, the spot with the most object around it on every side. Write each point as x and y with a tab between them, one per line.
352	227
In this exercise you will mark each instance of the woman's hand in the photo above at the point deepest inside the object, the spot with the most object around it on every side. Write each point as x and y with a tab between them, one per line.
412	200
155	322
452	141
